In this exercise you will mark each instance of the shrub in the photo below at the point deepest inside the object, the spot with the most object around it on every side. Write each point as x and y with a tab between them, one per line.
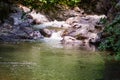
45	4
112	41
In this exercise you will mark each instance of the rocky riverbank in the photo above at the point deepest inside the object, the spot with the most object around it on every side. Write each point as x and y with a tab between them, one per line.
78	30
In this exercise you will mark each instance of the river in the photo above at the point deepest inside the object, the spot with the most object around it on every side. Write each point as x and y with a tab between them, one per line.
42	61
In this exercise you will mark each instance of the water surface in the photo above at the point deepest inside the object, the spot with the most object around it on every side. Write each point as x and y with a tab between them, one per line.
41	61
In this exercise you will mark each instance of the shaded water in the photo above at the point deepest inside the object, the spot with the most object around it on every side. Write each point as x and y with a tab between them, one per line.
40	61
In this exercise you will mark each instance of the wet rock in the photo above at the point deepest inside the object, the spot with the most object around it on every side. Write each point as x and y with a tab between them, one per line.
88	47
46	32
21	34
70	40
36	21
26	23
6	38
29	33
36	35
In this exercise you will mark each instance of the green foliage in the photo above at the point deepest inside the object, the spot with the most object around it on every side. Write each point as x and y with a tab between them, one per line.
112	41
46	4
103	20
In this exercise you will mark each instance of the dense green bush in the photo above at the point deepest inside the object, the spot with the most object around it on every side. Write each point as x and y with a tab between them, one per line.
45	4
112	40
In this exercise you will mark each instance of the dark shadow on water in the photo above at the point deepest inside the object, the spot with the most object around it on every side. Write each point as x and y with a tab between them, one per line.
112	70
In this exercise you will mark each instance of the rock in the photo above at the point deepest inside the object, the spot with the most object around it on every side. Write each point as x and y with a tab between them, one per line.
36	21
15	17
26	23
22	35
93	37
13	20
78	31
73	13
88	47
69	40
24	8
24	32
26	29
99	27
38	17
72	20
36	35
75	32
46	32
77	9
7	26
6	38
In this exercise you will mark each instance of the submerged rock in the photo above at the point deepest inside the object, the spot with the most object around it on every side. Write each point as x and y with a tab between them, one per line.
71	40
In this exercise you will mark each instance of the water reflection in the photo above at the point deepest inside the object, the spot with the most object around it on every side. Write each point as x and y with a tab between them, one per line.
112	70
33	61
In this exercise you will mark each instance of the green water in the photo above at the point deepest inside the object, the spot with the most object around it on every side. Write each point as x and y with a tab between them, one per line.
40	61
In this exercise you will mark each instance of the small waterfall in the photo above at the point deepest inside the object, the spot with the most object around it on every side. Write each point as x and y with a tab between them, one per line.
56	35
54	40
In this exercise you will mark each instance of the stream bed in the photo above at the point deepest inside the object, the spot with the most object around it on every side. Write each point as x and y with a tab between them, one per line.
41	61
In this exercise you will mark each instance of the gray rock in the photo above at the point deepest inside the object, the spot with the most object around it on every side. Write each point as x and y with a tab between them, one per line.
46	32
36	35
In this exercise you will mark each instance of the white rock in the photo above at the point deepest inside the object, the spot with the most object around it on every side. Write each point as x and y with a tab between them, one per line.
38	16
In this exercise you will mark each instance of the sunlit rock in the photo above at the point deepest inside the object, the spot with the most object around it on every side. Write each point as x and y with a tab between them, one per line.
24	8
38	17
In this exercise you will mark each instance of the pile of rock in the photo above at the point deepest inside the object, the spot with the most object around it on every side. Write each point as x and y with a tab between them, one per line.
83	31
17	27
79	30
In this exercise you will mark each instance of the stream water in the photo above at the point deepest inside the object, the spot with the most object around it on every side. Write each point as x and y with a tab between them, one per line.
42	61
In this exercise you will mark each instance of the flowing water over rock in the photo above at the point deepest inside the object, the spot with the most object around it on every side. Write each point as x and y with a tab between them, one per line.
23	24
